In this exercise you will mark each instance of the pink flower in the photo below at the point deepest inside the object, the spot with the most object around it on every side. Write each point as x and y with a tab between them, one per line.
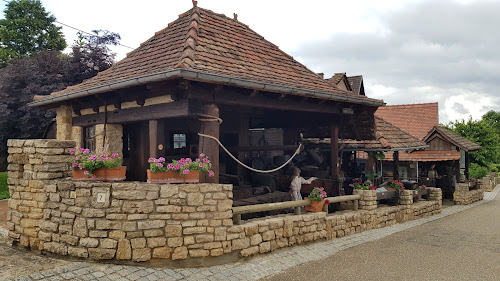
327	201
198	160
77	157
81	149
424	187
86	151
93	157
114	155
102	159
159	165
161	159
189	160
185	172
86	172
80	166
72	152
103	154
178	166
206	160
200	165
74	164
210	173
151	160
202	154
170	166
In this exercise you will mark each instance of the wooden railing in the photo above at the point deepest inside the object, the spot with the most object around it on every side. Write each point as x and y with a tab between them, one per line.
238	211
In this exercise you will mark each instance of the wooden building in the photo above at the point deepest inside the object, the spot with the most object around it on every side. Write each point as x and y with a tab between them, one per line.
210	74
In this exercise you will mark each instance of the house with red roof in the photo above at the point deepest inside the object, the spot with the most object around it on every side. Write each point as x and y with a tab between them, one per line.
206	74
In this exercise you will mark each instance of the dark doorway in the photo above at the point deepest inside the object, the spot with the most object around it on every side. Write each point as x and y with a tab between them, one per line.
136	150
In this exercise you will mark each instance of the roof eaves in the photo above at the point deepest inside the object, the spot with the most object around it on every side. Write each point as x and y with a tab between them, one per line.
205	77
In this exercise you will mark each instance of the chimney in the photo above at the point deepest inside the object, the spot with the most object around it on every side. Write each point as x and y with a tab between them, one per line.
321	74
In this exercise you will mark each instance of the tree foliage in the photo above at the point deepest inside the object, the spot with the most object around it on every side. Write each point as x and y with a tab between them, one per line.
492	118
28	29
41	74
482	133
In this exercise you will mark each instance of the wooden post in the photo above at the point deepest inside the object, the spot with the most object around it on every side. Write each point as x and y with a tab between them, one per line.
334	133
153	138
466	172
243	140
395	155
209	146
370	165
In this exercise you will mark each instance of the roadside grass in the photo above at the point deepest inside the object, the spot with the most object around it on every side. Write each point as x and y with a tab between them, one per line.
4	189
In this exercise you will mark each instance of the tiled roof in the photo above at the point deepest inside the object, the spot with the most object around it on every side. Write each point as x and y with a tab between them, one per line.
355	82
453	138
426	155
336	78
415	119
203	42
388	137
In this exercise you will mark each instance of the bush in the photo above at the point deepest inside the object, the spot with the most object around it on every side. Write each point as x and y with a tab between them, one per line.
4	188
477	172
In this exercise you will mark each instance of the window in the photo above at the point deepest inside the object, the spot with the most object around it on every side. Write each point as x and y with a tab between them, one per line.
89	138
179	140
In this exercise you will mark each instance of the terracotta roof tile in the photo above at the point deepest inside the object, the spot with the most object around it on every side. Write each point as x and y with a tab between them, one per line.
426	155
415	119
355	82
203	41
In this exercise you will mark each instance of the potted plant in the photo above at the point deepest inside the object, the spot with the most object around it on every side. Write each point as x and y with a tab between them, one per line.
89	165
419	190
185	170
317	197
358	184
396	185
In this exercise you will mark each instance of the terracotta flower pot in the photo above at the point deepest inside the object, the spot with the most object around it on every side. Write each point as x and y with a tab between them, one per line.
316	206
173	177
101	174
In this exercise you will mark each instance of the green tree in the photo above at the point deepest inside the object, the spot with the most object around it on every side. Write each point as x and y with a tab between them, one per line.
493	119
28	29
483	134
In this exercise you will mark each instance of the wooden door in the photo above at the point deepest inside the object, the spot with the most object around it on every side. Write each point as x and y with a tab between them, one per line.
137	150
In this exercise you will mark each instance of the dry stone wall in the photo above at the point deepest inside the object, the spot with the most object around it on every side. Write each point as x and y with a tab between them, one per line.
135	221
465	196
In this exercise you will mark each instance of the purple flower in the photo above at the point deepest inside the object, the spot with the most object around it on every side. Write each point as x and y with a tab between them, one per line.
202	154
185	172
72	152
77	157
86	172
159	165
206	160
93	157
103	154
114	155
170	166
151	160
210	173
86	151
74	164
198	160
178	166
161	159
81	149
201	165
80	166
189	160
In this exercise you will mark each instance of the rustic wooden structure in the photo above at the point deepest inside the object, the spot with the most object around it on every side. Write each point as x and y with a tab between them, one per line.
204	69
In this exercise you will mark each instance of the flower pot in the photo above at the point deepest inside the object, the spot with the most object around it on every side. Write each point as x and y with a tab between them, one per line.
101	174
316	206
173	177
390	188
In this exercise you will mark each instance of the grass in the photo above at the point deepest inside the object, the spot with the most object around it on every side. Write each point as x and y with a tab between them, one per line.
4	189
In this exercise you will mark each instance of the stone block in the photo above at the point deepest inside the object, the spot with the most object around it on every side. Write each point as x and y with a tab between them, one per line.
141	207
78	252
249	251
156	242
108	224
69	239
150	224
101	254
56	248
175	241
212	245
216	252
89	242
242	243
195	199
124	251
173	231
107	243
49	226
100	191
116	234
199	253
129	194
194	230
138	243
169	191
141	254
255	239
180	253
98	233
204	238
93	213
162	252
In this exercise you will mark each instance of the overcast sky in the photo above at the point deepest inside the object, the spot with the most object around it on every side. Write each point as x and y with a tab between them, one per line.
408	51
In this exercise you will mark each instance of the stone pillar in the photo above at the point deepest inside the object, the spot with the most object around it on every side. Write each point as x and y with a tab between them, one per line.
406	197
368	199
64	120
76	136
114	135
33	165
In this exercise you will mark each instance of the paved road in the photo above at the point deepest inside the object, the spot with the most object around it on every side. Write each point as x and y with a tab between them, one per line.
458	244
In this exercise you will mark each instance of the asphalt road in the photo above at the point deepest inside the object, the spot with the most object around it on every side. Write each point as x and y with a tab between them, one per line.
463	246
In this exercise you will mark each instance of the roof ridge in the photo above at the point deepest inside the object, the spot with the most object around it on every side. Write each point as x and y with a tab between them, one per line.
188	53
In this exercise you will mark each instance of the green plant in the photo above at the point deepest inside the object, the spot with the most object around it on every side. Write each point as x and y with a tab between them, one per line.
358	184
476	171
317	194
397	185
419	187
4	188
183	166
87	160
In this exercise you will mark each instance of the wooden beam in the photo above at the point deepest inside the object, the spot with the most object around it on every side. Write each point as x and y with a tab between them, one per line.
179	108
209	146
261	101
153	138
254	93
334	134
247	148
243	140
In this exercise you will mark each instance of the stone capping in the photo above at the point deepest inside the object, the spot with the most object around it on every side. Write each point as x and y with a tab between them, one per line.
134	221
465	196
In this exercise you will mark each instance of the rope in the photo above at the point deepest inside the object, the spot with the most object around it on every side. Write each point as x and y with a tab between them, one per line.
209	118
297	151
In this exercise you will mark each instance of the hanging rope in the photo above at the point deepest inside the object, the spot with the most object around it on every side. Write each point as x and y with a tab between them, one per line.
297	151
